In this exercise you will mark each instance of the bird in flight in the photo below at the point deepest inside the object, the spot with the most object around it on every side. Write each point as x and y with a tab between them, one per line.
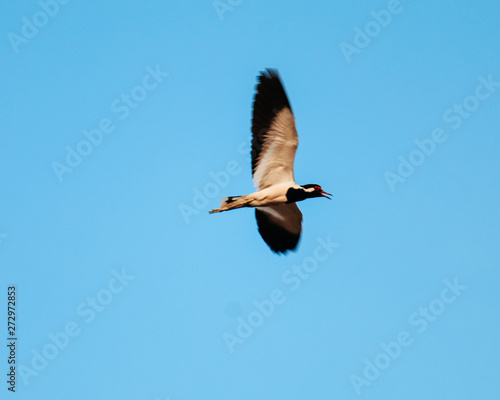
274	143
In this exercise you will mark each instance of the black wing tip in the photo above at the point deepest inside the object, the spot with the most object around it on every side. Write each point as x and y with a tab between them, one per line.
283	252
278	239
269	73
270	86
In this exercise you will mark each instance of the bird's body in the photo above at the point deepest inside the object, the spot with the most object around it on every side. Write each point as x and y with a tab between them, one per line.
274	143
271	196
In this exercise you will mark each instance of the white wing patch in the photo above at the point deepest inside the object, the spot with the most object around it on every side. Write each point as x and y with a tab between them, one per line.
275	163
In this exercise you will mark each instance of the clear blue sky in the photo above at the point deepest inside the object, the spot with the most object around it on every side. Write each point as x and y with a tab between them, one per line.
128	289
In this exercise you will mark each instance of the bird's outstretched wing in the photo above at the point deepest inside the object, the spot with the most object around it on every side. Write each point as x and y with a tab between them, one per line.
280	226
274	140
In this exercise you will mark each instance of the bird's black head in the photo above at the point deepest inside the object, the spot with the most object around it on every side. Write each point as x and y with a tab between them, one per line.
315	190
305	192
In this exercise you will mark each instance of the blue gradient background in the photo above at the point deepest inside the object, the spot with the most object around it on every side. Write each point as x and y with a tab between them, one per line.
161	337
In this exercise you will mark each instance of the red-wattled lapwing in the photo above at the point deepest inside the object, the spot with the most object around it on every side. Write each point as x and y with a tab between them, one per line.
274	143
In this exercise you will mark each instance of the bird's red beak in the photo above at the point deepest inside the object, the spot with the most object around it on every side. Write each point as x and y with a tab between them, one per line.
325	194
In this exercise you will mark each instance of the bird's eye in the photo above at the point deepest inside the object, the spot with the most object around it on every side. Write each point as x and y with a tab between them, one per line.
317	187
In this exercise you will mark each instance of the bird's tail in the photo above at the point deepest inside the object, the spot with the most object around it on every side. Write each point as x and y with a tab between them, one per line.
231	202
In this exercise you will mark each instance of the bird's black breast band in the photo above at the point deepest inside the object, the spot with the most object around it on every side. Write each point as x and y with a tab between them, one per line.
293	195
